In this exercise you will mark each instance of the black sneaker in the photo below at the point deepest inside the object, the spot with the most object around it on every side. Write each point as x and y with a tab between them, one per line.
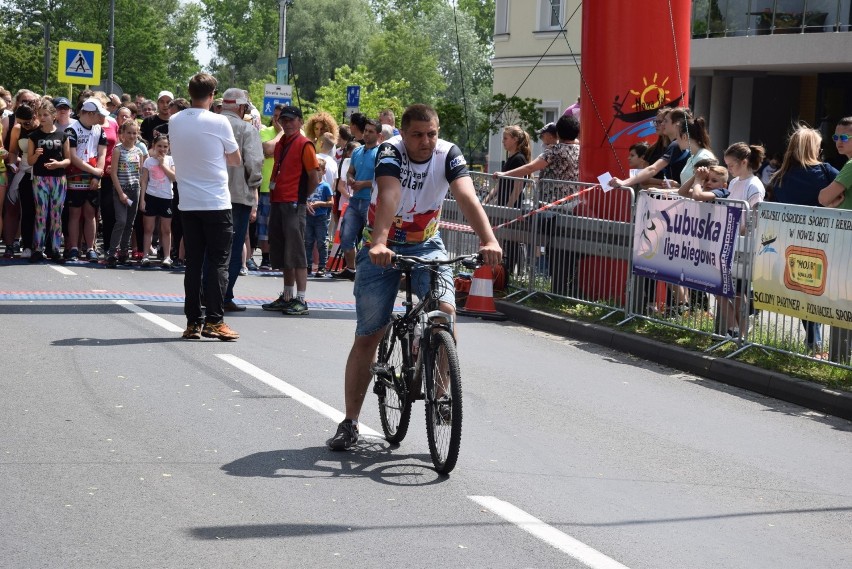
346	273
276	305
111	262
346	436
37	257
57	258
295	307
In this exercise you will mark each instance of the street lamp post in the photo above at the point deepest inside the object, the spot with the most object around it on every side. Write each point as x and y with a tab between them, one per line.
282	73
46	23
282	26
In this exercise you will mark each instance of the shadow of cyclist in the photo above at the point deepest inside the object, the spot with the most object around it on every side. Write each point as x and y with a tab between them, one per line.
370	458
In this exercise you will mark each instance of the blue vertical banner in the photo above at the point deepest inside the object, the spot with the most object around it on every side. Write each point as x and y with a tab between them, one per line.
282	71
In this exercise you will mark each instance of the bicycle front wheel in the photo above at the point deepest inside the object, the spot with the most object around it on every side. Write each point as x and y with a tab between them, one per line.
443	402
394	401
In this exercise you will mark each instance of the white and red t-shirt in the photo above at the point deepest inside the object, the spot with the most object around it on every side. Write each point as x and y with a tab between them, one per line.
85	142
424	187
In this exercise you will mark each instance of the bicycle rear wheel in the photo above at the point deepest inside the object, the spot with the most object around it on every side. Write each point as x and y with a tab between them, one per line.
394	402
443	402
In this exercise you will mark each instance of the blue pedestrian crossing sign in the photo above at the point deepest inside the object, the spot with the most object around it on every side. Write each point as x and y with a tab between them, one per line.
79	63
353	95
275	95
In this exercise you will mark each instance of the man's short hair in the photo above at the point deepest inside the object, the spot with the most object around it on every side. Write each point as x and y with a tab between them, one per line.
388	113
359	120
387	132
568	127
373	123
201	86
418	112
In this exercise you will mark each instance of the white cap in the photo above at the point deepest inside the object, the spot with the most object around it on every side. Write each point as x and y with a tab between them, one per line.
93	104
234	96
165	94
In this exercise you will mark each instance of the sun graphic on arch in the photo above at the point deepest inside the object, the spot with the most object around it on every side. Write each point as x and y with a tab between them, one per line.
653	96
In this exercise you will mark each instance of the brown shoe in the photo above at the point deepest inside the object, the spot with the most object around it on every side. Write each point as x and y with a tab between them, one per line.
219	330
192	332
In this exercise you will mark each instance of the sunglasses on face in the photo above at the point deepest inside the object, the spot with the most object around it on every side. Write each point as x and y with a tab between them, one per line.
840	137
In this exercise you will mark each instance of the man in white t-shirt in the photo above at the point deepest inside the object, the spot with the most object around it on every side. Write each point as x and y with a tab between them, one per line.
203	146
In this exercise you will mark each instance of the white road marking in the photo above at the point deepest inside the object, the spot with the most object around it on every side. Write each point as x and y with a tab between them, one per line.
562	541
63	270
162	322
295	393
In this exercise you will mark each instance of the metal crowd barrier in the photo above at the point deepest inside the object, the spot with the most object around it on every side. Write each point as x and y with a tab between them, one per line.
555	239
572	241
801	278
695	308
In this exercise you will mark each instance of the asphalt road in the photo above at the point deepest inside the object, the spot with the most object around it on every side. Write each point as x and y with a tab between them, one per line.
123	446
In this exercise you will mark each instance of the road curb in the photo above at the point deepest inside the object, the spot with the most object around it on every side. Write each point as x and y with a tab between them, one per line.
731	372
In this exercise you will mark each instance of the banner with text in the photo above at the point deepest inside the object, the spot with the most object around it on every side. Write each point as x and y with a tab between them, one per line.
686	243
801	266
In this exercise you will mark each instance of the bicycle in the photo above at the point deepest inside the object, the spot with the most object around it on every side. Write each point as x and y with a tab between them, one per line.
417	359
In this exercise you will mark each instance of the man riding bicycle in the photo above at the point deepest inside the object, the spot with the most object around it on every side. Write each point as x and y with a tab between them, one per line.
414	171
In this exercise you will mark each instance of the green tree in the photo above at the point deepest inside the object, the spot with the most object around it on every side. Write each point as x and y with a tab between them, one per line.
514	110
465	65
482	12
331	97
324	35
154	41
398	53
235	28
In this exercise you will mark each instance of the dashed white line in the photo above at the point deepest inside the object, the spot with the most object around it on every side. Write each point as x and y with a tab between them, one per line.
162	322
562	541
63	270
293	392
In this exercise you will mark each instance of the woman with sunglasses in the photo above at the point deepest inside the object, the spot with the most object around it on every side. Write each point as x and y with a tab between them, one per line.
837	193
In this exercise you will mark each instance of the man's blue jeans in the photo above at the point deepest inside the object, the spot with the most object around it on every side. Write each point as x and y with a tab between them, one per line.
241	214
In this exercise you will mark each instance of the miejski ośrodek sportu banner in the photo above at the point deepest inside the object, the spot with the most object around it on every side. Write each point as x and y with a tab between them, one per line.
803	263
685	242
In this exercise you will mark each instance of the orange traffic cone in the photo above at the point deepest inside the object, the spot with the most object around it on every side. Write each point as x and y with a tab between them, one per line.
335	257
480	301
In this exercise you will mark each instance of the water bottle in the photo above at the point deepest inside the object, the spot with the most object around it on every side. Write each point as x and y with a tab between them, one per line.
415	343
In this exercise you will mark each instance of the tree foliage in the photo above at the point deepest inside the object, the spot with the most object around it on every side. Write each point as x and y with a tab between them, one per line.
331	97
323	35
514	110
153	50
482	12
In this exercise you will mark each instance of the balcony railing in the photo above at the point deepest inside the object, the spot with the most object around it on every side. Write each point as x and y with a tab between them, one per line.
724	18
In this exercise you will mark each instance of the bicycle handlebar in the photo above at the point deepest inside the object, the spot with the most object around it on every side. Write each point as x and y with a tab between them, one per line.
472	260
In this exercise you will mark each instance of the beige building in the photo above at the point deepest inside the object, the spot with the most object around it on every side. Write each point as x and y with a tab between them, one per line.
756	66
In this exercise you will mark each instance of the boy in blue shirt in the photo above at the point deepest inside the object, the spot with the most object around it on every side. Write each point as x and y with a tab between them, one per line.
316	223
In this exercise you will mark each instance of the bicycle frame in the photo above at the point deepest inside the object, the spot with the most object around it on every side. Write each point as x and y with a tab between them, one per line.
426	312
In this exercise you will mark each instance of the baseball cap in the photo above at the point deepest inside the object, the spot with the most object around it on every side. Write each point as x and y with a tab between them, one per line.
549	127
165	94
234	96
291	112
93	105
60	102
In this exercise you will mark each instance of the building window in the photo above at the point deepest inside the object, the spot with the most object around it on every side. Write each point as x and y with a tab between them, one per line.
551	14
501	17
549	115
